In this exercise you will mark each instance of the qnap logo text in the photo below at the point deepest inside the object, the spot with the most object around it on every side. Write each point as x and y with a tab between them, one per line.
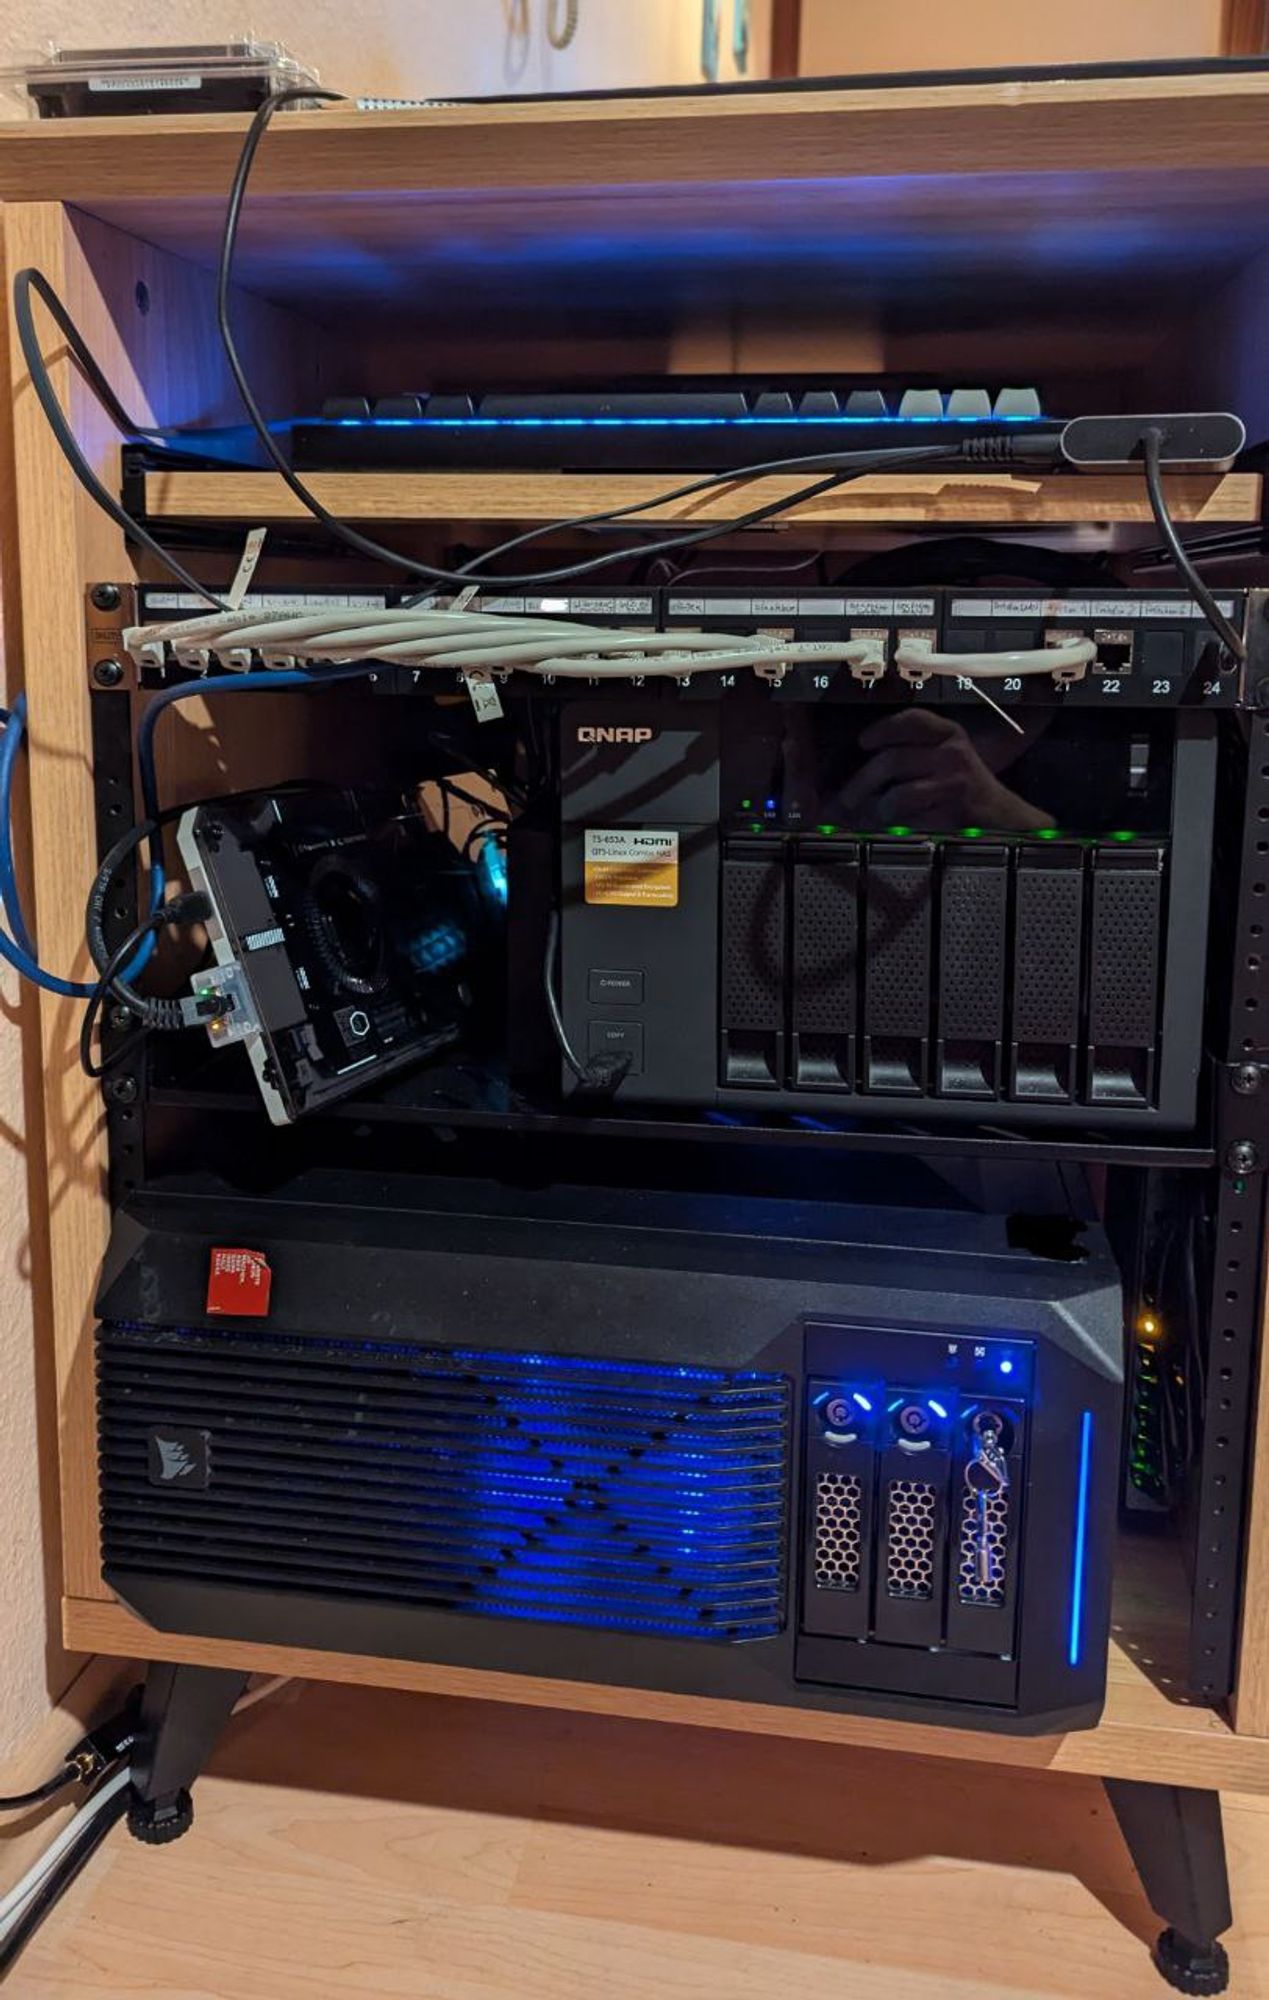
594	732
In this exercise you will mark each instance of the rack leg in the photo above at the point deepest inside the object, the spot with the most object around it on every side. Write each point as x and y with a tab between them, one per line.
183	1712
1177	1843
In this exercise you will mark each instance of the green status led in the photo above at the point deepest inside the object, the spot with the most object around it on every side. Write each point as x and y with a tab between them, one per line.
1047	833
746	805
971	833
1122	833
898	831
826	829
756	826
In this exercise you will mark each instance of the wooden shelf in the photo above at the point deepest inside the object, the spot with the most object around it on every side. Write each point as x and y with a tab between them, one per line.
1060	125
1144	1732
985	499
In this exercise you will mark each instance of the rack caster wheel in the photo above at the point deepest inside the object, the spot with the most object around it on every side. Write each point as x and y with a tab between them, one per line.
1191	1968
158	1824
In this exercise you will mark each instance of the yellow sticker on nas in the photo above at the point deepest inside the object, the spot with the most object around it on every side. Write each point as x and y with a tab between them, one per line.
638	869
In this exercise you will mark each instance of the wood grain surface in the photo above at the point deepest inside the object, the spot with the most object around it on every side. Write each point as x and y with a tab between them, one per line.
1002	499
349	1845
1145	1728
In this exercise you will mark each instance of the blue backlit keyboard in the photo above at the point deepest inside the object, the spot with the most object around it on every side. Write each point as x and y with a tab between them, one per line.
679	428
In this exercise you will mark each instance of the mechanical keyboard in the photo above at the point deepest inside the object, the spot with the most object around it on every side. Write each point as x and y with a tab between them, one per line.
667	429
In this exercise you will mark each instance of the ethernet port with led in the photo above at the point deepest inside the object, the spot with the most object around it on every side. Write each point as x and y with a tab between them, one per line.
1114	652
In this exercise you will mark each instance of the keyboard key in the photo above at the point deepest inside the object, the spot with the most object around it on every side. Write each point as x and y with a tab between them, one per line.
819	403
969	403
921	403
1017	403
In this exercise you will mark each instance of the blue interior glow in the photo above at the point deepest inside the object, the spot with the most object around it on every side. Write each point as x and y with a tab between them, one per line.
563	1489
493	870
1075	1644
443	945
654	423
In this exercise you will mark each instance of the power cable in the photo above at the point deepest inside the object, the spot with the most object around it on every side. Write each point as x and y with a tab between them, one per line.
1151	454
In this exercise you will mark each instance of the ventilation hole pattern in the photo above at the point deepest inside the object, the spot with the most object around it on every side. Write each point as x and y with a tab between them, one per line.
753	944
1046	980
898	969
825	948
910	1539
837	1531
1123	1003
972	965
971	1588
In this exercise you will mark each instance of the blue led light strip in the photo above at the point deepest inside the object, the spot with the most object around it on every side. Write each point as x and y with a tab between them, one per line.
1075	1645
653	423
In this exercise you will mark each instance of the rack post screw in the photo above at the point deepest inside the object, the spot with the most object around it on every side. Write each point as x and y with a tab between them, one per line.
1242	1157
106	596
108	673
124	1090
1260	693
1245	1079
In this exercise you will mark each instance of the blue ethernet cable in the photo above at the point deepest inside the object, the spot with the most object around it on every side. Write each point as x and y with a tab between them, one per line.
19	950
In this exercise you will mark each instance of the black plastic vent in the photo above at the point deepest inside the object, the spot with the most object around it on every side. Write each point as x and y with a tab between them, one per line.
579	1492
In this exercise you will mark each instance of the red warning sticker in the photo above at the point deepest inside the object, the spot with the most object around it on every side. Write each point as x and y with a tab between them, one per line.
239	1283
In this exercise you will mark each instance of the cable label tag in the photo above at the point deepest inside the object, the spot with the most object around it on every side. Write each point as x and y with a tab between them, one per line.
484	698
636	869
246	568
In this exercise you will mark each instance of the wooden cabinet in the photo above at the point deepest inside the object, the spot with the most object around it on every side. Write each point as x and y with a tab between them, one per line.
1110	237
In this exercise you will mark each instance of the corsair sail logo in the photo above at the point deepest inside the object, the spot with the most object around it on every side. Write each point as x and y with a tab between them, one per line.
597	732
174	1459
180	1458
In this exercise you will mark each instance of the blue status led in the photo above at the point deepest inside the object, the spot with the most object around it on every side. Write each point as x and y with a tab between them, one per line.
937	1408
862	1400
1075	1641
1006	1367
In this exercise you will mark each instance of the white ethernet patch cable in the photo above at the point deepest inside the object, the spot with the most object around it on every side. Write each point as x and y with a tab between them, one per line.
480	644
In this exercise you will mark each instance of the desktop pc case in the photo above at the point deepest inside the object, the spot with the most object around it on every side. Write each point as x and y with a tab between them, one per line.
774	1451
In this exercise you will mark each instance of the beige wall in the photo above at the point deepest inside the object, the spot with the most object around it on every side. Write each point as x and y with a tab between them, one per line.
27	1672
431	48
844	35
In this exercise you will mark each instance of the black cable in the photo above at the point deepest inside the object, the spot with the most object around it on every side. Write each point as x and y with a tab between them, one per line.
378	551
851	465
1151	449
167	1016
59	1878
87	1759
601	1072
447	785
24	284
114	965
18	1801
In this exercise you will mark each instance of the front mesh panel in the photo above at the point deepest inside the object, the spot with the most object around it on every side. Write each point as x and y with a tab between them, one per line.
838	1548
578	1492
912	1507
